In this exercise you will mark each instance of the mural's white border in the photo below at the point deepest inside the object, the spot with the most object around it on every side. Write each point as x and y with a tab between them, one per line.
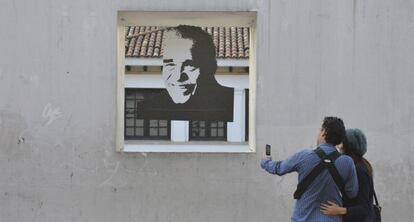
188	147
159	18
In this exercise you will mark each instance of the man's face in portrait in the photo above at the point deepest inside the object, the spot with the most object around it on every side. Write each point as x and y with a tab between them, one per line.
179	73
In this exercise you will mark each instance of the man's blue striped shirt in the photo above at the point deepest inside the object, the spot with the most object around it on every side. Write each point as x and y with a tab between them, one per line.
322	189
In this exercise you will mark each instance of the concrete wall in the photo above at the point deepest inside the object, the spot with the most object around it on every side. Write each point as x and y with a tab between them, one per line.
58	162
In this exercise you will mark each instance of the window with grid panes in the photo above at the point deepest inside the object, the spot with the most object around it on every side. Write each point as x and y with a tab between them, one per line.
208	130
142	128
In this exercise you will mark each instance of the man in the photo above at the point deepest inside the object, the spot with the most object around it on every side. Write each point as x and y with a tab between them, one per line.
192	92
323	188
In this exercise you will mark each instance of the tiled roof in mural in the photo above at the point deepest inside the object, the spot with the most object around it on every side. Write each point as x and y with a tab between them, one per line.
145	41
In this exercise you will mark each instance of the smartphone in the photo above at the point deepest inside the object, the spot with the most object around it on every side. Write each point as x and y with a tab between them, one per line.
268	150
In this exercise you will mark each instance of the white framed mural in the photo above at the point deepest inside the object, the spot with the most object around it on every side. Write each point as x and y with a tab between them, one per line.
184	85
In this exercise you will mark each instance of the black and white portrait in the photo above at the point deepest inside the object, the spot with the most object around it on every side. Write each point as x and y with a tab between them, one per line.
188	73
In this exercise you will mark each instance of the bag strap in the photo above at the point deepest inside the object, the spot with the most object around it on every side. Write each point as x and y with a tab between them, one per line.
373	190
327	162
306	182
332	169
375	198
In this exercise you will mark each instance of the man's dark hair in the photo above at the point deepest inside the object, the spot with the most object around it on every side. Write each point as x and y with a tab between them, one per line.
335	130
203	50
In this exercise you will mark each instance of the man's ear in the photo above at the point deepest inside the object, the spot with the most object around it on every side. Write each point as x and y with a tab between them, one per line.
323	132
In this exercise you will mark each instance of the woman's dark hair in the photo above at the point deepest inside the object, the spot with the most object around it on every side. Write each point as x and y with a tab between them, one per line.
335	130
355	157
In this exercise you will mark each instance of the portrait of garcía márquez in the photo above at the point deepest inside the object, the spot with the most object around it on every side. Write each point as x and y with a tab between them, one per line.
191	89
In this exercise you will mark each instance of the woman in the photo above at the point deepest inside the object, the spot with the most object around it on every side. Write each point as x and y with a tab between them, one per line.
358	209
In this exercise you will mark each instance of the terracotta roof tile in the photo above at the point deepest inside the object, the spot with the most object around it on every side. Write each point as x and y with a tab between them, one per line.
221	42
240	42
234	48
144	44
246	41
227	43
230	42
216	39
151	44
157	47
127	41
138	42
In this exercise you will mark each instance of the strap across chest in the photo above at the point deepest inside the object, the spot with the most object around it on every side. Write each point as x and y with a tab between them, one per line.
326	162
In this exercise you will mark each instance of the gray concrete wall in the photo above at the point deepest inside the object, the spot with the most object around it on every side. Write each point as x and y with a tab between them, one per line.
58	162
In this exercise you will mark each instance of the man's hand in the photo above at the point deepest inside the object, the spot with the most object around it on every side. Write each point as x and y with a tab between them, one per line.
265	157
264	160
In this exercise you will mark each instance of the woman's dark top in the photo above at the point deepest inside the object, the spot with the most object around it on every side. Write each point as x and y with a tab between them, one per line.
359	209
